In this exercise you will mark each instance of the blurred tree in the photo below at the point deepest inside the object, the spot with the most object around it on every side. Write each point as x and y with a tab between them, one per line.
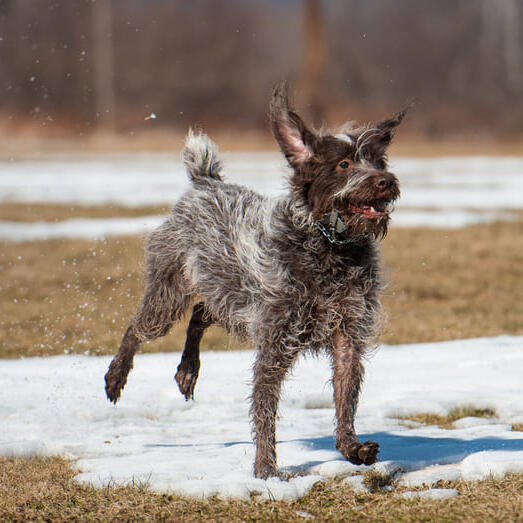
314	59
513	45
103	62
68	62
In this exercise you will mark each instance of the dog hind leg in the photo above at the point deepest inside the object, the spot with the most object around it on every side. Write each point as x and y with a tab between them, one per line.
121	365
188	370
163	303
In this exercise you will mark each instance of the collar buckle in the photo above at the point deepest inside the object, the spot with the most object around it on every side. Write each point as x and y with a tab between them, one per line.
333	228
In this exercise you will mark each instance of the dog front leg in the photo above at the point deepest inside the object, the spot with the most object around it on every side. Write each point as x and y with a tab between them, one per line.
347	380
270	369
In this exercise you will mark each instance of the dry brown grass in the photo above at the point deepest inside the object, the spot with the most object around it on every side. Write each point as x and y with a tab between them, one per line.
455	147
375	479
447	422
44	490
160	139
33	212
469	411
31	141
76	295
454	284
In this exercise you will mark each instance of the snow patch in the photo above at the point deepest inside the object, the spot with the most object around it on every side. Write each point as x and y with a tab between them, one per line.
201	448
433	493
436	192
431	475
78	228
99	228
492	463
355	483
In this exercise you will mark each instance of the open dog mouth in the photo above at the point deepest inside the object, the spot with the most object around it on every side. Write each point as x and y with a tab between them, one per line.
376	210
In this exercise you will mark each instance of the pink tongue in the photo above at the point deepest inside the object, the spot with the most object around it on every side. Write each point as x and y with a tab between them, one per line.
366	210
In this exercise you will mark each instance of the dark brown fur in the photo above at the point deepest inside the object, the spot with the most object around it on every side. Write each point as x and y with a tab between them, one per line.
266	269
189	368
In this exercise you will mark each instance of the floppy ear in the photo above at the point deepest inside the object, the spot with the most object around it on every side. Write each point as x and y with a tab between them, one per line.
295	140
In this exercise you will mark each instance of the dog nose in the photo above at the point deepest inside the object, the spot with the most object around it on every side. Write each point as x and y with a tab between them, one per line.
383	183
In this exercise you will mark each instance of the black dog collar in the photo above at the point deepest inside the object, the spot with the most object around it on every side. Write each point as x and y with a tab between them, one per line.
333	228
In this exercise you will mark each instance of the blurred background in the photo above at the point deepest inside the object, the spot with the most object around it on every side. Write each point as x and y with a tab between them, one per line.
128	68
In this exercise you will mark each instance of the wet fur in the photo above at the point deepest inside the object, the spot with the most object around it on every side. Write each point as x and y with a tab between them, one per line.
260	268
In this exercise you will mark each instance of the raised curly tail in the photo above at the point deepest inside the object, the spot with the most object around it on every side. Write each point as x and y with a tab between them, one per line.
200	157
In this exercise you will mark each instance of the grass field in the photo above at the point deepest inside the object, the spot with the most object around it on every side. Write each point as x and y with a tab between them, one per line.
447	422
73	296
44	490
31	142
33	212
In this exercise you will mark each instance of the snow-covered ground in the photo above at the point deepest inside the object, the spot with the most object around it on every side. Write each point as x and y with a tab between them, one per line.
98	228
57	405
85	228
436	192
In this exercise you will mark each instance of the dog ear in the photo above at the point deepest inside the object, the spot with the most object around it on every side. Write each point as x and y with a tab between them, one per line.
388	126
380	139
295	140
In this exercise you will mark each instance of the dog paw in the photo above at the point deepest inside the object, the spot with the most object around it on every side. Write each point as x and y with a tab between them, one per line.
368	452
365	453
114	384
186	377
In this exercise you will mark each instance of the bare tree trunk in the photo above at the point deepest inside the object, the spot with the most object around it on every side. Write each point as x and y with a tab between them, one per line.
315	55
488	35
103	62
513	43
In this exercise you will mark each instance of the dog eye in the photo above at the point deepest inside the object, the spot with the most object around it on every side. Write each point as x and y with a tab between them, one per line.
344	164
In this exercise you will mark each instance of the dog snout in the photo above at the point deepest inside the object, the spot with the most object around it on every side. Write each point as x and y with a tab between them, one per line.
383	182
385	185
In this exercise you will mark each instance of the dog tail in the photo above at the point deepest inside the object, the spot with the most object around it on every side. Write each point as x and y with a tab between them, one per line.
200	157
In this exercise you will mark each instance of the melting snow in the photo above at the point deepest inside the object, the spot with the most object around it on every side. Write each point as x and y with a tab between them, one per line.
78	228
57	406
433	493
99	228
436	192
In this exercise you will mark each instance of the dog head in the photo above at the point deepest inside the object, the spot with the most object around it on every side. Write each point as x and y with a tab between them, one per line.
344	172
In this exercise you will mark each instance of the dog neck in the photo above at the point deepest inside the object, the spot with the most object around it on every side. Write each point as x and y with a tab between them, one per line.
334	229
330	227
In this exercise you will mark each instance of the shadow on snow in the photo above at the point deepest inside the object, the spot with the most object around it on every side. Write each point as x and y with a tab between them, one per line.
420	451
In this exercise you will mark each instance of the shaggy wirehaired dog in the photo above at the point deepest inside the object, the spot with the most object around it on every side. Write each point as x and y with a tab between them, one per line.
293	274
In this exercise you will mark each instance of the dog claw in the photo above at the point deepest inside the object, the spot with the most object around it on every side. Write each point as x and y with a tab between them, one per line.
186	380
365	453
368	452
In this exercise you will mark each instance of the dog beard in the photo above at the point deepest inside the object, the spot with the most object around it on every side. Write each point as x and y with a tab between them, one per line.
360	226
